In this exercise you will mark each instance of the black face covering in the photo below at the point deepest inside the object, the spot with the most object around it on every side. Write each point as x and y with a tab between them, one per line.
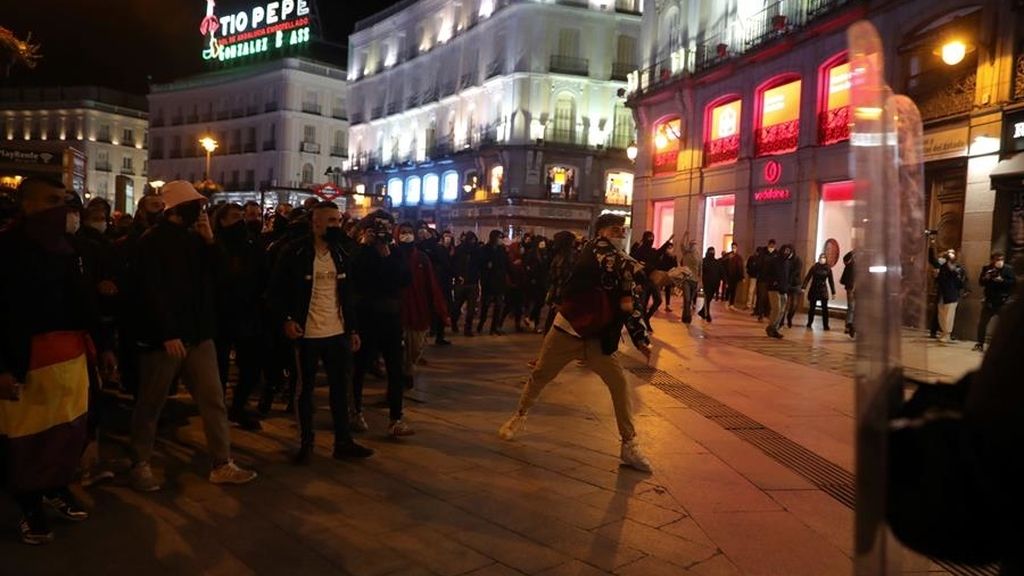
189	213
234	233
254	226
48	228
333	234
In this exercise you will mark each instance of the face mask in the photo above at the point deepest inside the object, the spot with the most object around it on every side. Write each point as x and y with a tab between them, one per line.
333	234
822	261
47	228
72	222
98	225
235	232
406	238
619	243
254	226
189	213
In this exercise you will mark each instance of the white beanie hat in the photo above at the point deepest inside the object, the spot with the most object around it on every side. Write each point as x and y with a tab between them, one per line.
179	192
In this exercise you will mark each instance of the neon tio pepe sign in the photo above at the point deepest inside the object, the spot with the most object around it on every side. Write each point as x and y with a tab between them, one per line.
259	29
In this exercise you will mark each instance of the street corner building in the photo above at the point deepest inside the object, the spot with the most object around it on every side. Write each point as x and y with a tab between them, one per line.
495	113
743	122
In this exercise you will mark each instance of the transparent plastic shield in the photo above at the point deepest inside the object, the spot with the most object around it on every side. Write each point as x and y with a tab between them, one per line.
885	160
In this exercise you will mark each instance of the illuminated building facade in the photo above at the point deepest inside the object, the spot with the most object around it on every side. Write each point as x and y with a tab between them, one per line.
505	114
108	127
743	121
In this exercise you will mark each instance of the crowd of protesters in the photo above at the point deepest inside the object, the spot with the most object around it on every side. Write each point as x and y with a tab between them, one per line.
181	290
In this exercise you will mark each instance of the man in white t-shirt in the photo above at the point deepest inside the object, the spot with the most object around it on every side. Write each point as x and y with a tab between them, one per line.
311	296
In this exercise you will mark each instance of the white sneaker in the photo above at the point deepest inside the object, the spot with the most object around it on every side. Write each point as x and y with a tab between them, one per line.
513	426
357	423
399	428
633	456
143	479
230	473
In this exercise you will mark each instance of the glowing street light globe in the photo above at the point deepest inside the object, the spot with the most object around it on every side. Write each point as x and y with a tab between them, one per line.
208	144
953	52
631	151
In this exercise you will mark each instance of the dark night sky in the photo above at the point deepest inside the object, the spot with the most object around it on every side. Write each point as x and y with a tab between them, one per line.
118	43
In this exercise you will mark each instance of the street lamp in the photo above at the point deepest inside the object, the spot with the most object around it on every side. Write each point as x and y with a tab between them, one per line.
208	144
632	151
156	185
953	51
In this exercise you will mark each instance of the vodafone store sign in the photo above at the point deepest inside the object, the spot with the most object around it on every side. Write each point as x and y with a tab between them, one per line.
261	28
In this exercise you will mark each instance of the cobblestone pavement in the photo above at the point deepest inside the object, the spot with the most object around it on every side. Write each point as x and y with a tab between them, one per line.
454	500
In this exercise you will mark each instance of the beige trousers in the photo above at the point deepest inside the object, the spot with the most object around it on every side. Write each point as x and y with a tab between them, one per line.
559	349
947	316
415	340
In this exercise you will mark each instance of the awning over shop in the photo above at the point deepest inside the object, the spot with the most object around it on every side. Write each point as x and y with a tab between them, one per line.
1009	173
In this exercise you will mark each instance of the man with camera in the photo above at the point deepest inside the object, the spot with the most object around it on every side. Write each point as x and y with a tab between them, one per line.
998	279
951	284
380	274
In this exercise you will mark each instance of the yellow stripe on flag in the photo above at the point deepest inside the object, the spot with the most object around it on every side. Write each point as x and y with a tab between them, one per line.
52	395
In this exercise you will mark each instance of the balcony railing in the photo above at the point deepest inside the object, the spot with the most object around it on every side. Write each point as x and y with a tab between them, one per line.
173	154
310	108
495	67
269	145
156	154
339	114
778	19
777	139
127	170
103	167
722	150
356	118
270	107
834	125
392	108
192	119
468	79
621	70
252	110
249	147
578	3
310	147
223	114
157	122
569	65
376	112
238	112
561	135
340	151
176	120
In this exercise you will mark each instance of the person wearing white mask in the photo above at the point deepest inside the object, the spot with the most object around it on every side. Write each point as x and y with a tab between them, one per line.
422	301
600	299
998	280
822	283
950	282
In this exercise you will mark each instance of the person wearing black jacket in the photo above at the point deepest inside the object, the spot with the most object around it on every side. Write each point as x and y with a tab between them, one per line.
849	280
601	298
753	271
311	296
776	275
794	284
48	307
711	277
177	262
240	287
438	247
494	269
819	277
998	280
380	273
466	264
950	282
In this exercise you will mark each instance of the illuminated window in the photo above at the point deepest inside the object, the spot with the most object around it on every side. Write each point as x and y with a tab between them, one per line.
562	182
472	182
497	179
412	191
619	188
834	106
395	191
722	127
666	145
450	190
778	112
431	187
